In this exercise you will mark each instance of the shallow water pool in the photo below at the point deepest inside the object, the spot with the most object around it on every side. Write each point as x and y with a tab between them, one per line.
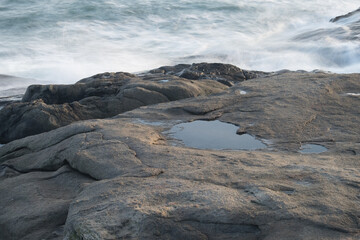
214	135
312	148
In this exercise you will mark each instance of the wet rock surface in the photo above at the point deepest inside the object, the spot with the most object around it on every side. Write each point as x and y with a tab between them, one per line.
127	180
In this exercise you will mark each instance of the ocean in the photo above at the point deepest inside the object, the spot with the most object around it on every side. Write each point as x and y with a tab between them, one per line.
63	41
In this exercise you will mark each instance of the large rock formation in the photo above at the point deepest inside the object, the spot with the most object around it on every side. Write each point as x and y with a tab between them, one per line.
47	107
127	178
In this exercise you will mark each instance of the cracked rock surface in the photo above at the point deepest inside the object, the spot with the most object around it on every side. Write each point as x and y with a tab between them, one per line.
126	178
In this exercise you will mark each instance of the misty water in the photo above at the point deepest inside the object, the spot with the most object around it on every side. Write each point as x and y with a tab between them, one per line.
215	135
64	41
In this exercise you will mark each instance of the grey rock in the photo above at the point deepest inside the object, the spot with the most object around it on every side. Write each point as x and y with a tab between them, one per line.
153	208
150	188
35	205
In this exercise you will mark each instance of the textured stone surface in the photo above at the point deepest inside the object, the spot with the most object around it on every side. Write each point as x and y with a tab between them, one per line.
35	205
149	186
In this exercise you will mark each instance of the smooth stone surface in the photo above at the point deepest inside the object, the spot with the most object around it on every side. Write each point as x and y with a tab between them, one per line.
214	135
35	205
312	148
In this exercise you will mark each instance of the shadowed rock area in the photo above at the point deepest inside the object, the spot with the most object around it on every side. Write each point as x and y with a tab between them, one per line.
47	107
127	178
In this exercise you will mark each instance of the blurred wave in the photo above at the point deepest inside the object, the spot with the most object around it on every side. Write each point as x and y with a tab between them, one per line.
64	41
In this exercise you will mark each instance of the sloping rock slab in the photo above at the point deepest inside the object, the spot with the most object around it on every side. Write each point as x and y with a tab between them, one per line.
35	205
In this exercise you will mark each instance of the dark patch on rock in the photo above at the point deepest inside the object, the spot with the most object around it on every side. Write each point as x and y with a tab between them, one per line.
217	71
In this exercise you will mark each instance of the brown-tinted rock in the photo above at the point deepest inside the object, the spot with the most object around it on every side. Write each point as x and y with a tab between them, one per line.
152	187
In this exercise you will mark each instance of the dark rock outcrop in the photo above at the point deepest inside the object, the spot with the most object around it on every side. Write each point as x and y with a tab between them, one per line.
47	107
215	71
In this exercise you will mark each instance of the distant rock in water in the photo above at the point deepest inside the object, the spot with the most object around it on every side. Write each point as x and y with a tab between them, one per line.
47	107
350	14
215	71
343	34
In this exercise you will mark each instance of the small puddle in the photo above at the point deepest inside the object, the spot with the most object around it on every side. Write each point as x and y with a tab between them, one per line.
312	148
303	183
240	92
164	81
353	94
141	121
214	135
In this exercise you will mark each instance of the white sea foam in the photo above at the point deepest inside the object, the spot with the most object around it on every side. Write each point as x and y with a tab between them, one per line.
62	42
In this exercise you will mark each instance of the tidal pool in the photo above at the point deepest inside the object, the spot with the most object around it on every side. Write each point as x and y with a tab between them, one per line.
353	94
312	148
164	81
214	135
145	122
